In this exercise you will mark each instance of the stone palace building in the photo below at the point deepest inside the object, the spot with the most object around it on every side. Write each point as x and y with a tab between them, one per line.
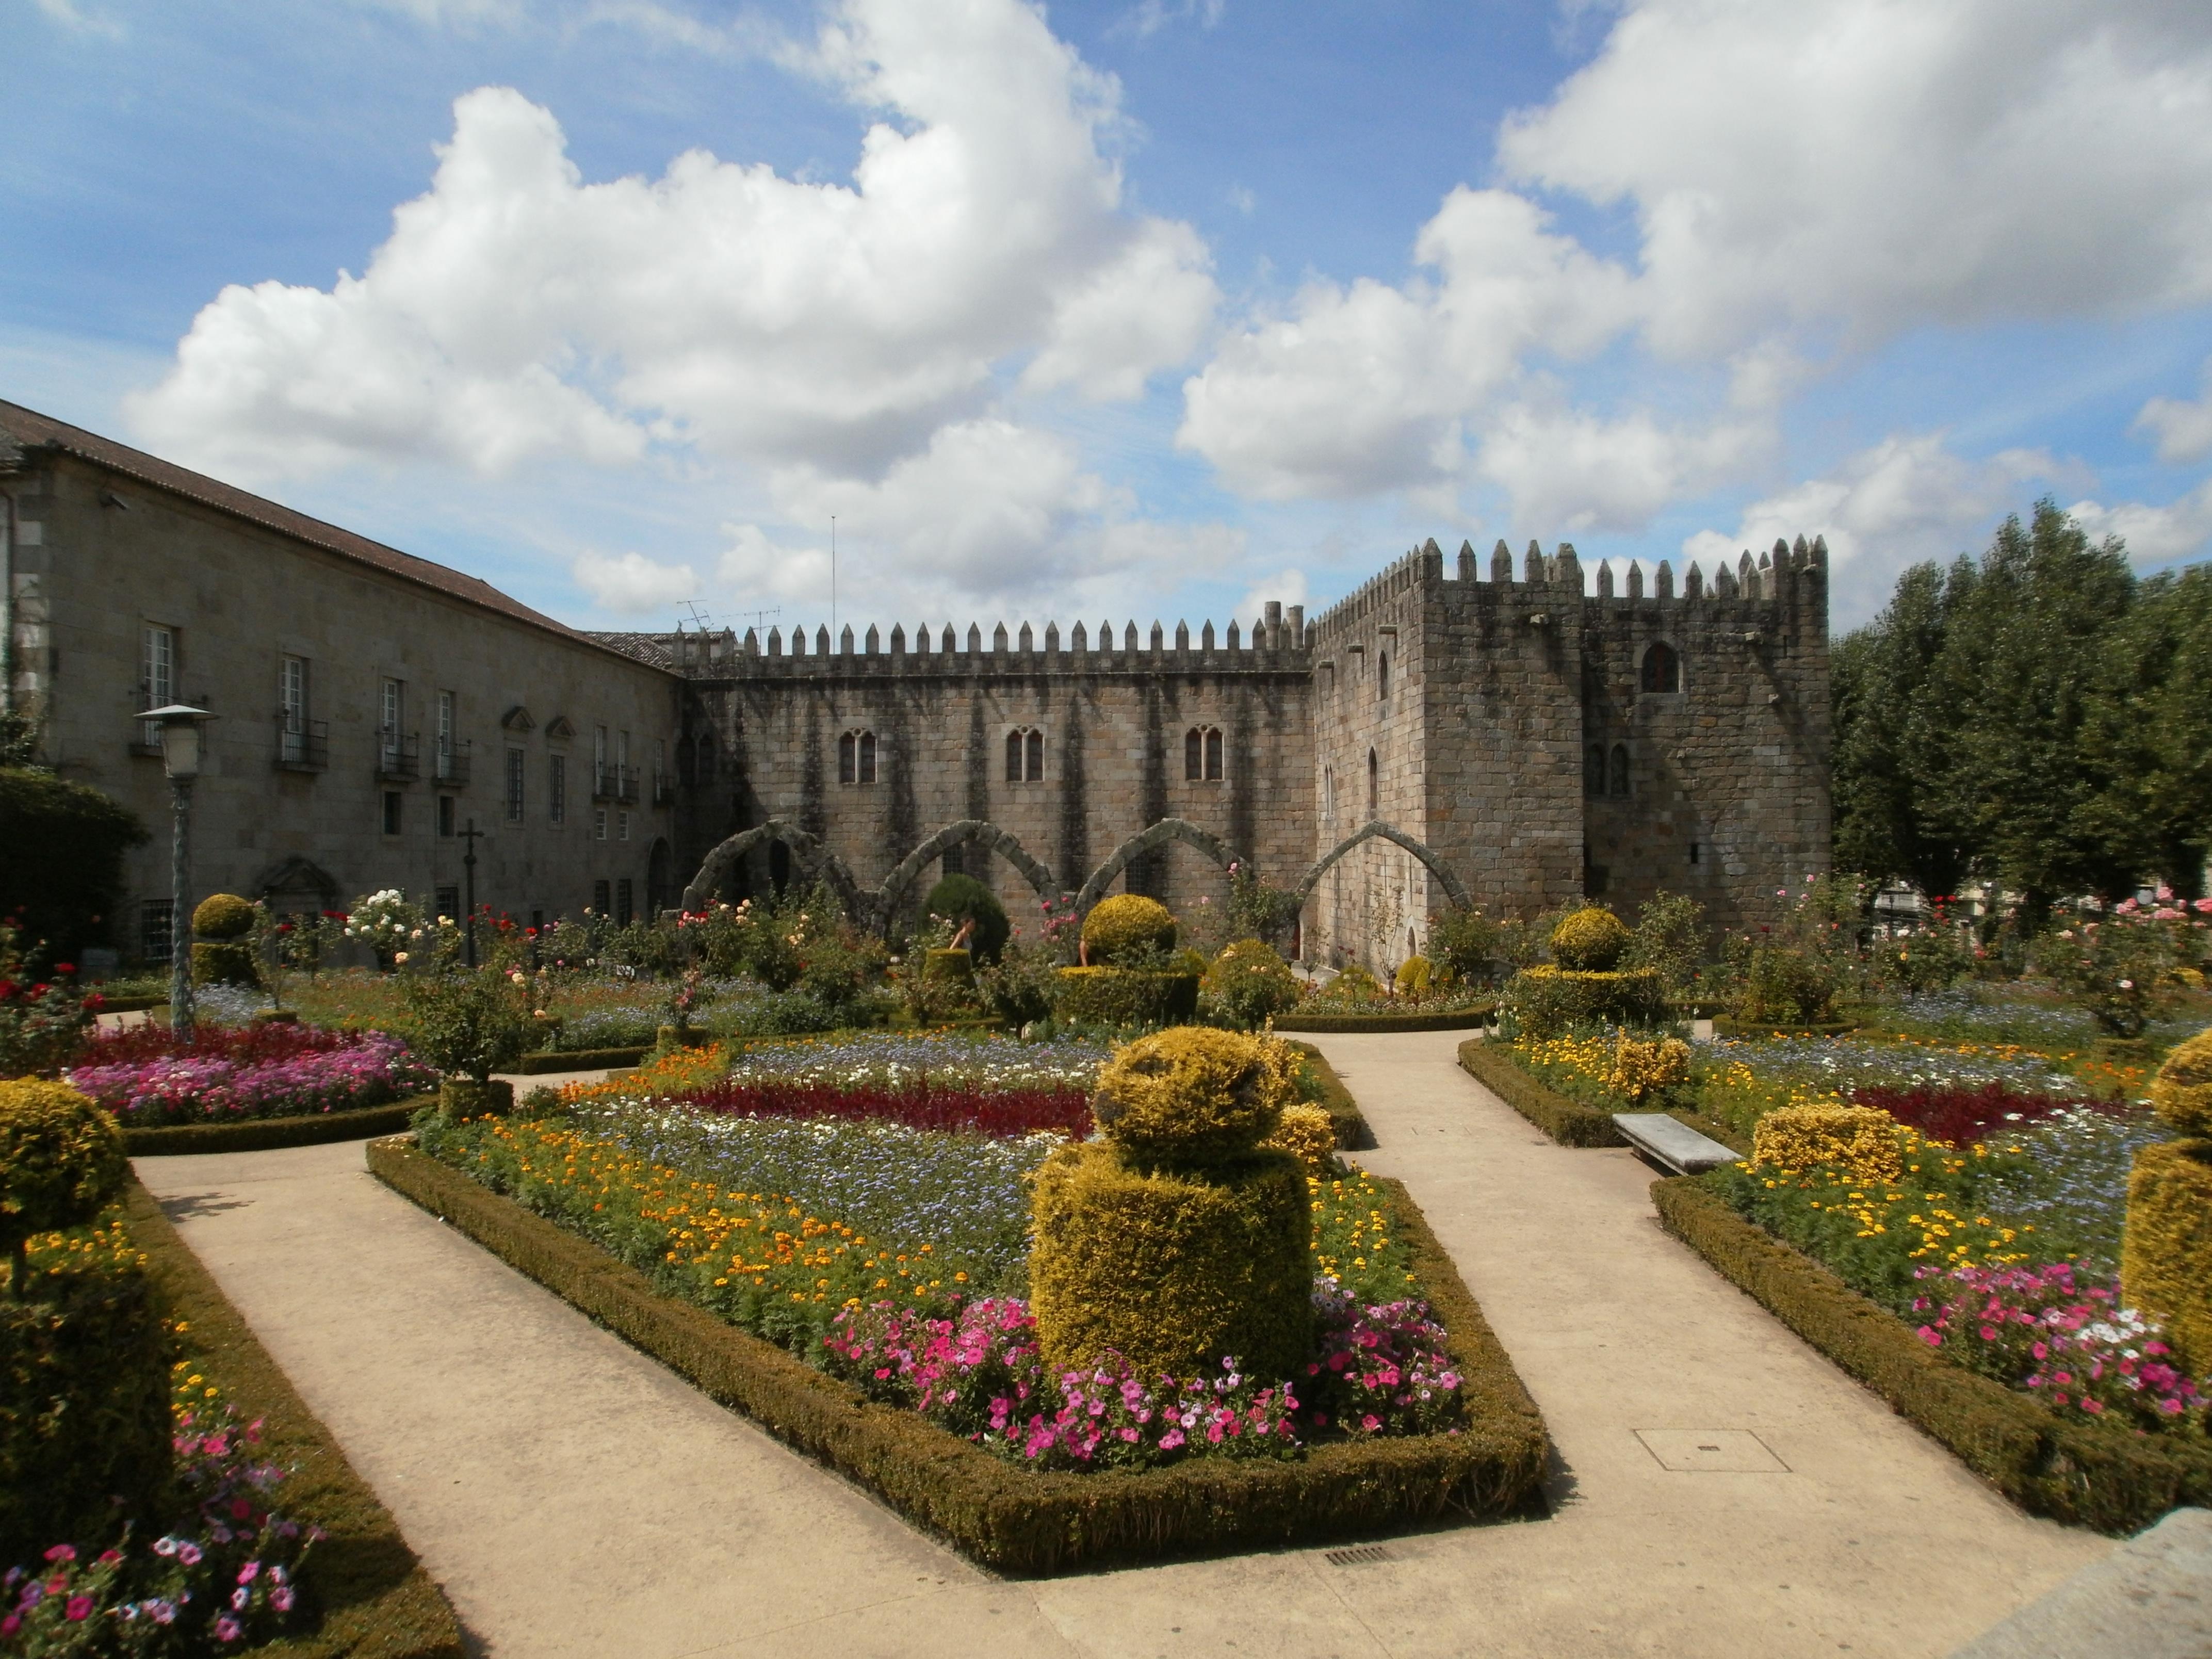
1456	732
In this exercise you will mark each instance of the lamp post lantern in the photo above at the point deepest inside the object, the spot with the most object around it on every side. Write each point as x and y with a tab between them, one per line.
180	758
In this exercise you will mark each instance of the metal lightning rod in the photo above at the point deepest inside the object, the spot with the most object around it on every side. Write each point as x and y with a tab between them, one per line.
833	576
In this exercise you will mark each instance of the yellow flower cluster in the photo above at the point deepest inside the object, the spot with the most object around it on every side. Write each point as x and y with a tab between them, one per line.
1915	1201
104	1246
687	1068
1644	1066
726	1239
1861	1141
1351	1234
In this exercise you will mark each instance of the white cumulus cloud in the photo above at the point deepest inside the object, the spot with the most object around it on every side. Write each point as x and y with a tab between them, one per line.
632	585
519	310
2183	429
2154	535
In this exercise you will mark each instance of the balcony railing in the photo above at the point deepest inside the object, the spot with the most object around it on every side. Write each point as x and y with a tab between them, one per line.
664	789
398	756
616	783
302	745
449	763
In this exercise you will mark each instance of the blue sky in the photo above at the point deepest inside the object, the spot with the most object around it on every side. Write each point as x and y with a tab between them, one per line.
1152	308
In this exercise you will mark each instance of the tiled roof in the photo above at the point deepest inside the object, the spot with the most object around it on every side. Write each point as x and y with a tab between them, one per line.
28	430
646	648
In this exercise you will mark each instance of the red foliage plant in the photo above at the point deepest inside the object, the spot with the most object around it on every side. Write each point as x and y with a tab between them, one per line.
1960	1116
922	1105
248	1044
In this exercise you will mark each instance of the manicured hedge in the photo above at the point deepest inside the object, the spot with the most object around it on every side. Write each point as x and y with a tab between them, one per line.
1021	1521
262	1134
1353	1133
2078	1473
581	1060
372	1598
1567	1121
140	1005
1457	1019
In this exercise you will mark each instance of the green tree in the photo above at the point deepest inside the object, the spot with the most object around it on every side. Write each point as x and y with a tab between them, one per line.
61	858
2154	718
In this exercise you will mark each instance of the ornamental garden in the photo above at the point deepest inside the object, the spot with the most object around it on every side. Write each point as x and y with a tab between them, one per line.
1050	1231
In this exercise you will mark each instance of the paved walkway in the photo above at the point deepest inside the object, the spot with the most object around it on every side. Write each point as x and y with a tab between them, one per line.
576	1499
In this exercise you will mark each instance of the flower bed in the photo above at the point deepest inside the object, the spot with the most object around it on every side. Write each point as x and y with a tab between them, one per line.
259	1479
1024	1519
145	1079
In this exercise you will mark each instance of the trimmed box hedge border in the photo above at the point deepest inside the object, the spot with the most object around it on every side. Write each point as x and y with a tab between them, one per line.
2078	1473
374	1598
1457	1019
262	1134
1019	1521
1567	1121
1353	1133
541	1061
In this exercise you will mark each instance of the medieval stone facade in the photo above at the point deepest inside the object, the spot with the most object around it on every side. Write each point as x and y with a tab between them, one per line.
1432	739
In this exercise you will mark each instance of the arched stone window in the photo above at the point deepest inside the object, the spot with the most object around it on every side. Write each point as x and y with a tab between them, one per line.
1662	668
856	758
1374	784
1620	779
1594	769
1382	676
1201	755
1025	755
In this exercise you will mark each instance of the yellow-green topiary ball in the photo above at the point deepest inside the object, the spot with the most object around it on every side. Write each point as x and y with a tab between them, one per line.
61	1159
223	915
1126	922
1413	978
1308	1134
2182	1091
1589	939
1192	1095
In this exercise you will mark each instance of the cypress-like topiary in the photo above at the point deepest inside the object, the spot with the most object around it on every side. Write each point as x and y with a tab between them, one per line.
2165	1245
962	898
1179	1240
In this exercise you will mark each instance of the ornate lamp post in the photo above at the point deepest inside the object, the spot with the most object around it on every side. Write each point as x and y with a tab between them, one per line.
180	759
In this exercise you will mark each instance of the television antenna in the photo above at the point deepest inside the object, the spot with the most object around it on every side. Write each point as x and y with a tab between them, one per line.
700	619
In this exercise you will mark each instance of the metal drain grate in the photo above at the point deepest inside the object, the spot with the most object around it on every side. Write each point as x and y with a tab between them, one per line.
1365	1555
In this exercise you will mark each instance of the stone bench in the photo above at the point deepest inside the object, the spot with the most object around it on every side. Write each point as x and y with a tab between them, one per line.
1677	1145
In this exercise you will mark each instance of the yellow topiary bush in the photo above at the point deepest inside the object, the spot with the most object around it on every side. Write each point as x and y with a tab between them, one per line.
1589	940
2165	1247
2182	1091
223	915
1180	1240
1647	1066
1308	1134
61	1162
1859	1138
1413	977
1125	923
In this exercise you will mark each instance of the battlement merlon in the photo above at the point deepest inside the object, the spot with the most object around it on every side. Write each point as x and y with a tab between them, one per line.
1792	576
1278	646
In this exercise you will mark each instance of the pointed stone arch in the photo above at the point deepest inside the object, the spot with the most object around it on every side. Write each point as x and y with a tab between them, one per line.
1148	840
298	874
1376	829
968	832
811	855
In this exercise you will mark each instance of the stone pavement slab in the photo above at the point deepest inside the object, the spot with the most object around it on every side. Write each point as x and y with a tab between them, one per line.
575	1498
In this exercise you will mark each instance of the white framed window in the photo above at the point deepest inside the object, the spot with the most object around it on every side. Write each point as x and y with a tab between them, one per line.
622	826
391	711
599	762
598	824
157	674
856	758
1025	754
1201	755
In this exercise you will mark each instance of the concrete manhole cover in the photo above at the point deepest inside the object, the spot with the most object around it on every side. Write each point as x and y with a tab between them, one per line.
1711	1451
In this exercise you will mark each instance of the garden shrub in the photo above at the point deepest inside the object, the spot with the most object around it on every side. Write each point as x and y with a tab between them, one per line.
2120	967
84	1397
1781	985
1470	946
43	1022
1546	999
1249	983
1118	997
1589	940
2166	1250
954	967
1413	977
959	898
2181	1093
1856	1139
1308	1134
222	950
1670	936
1021	987
63	869
1646	1066
1178	1242
61	1162
471	1023
1127	926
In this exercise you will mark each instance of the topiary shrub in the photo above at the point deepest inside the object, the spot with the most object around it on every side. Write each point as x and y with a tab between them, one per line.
1308	1134
960	898
1249	983
1589	940
61	1162
222	916
1128	926
1117	997
954	967
1547	999
2165	1246
1413	978
1860	1139
1179	1240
